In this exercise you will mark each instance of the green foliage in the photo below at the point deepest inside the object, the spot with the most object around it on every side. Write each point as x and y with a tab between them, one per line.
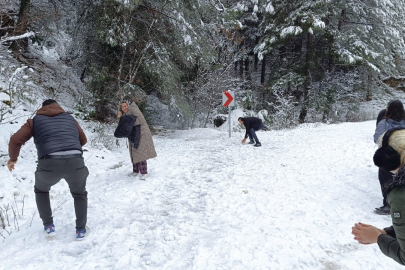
7	102
92	115
178	47
247	104
291	80
99	81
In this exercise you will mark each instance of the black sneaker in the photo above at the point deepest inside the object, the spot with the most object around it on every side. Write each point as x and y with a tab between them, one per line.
251	142
385	210
257	144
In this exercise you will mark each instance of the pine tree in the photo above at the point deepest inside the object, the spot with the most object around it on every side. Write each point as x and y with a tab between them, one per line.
310	43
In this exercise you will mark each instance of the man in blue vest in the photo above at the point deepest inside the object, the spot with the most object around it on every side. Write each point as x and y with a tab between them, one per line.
59	140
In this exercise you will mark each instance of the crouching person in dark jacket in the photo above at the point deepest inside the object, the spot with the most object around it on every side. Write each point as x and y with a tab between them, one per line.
391	240
252	124
59	140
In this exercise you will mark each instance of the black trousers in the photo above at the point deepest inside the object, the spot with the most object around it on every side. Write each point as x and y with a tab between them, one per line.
51	171
386	178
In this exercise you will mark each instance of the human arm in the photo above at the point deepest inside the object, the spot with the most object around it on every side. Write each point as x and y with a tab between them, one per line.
82	136
18	139
247	124
380	129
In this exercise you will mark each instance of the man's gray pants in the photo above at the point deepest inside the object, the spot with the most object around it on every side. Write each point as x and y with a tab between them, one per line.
51	171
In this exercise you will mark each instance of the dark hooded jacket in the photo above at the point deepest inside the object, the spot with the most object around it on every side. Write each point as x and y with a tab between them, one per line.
251	122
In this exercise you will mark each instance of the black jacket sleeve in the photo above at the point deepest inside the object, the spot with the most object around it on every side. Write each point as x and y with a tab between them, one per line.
390	231
247	127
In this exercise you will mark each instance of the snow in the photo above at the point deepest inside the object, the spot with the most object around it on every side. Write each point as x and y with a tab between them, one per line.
373	67
290	30
187	39
319	23
269	8
209	203
241	7
255	9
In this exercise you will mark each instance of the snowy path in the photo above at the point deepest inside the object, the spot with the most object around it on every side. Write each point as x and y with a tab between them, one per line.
212	203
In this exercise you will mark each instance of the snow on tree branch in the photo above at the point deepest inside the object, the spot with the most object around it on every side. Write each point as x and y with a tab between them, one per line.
28	34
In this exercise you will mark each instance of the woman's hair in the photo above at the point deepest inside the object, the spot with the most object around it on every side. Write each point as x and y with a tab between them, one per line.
397	141
395	111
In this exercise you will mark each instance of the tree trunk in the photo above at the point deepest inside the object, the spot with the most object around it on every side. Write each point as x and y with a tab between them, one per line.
21	28
263	70
256	62
247	67
342	15
241	68
307	85
304	108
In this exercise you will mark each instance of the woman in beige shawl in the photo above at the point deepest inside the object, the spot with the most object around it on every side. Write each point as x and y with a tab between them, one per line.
146	148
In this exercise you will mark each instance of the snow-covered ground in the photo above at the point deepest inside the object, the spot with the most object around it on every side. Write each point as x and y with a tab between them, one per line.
209	203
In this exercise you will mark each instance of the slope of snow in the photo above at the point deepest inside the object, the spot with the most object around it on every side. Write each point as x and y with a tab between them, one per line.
209	203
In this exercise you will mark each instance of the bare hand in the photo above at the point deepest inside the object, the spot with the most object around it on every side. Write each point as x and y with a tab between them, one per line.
244	140
366	234
10	165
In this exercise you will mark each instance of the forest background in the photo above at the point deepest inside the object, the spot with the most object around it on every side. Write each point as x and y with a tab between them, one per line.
288	61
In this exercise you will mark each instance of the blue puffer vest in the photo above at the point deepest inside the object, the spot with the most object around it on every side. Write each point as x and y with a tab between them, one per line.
55	133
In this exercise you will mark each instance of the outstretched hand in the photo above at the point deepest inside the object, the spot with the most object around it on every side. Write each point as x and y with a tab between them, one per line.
244	140
366	234
10	165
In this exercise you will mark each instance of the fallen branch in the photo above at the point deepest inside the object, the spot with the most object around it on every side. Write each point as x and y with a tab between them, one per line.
16	225
6	208
16	194
23	203
29	34
5	28
2	222
59	206
33	215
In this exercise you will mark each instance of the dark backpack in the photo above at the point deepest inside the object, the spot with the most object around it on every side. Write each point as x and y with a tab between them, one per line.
127	129
125	126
